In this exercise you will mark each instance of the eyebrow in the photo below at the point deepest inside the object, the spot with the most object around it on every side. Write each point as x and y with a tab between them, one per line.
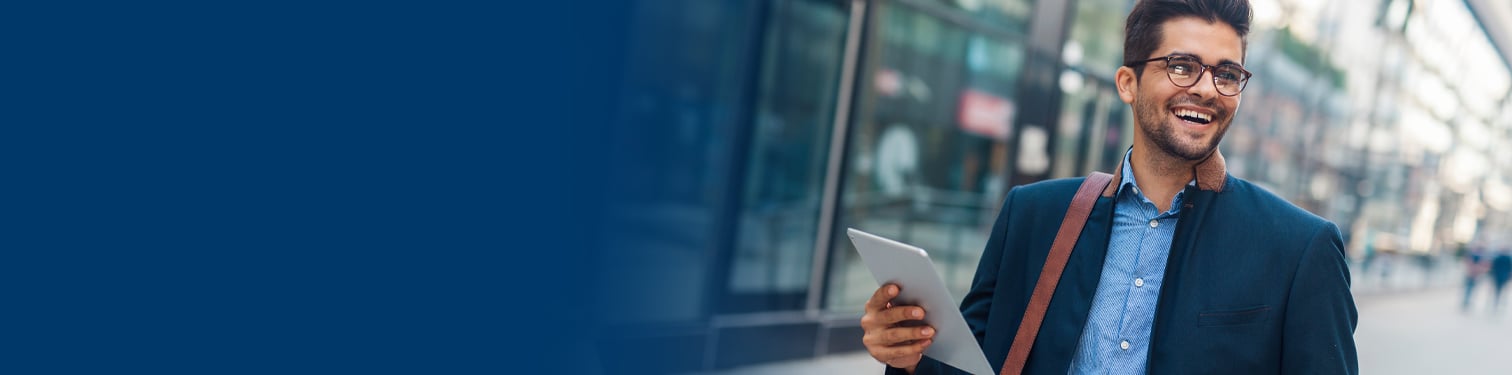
1199	58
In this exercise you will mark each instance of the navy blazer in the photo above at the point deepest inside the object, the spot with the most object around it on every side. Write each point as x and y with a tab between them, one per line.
1253	284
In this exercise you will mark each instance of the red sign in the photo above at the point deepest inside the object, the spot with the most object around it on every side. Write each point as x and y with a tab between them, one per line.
985	114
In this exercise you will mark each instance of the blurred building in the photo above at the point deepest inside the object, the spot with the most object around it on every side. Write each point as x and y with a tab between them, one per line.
755	132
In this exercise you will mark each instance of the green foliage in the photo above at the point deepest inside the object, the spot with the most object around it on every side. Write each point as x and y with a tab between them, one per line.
1309	57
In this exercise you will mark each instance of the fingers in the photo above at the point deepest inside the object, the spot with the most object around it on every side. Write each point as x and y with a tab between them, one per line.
899	314
881	313
901	335
892	316
903	356
893	337
881	297
879	322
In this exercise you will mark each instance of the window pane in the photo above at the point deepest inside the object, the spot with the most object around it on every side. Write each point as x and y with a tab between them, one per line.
772	263
927	155
1094	128
1008	14
1097	36
669	176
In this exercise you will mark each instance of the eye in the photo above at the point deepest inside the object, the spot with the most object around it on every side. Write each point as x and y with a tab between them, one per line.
1228	73
1178	67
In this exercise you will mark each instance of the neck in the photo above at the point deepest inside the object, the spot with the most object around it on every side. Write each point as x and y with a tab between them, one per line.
1160	176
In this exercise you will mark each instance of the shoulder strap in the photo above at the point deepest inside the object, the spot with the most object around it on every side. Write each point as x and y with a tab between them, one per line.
1055	263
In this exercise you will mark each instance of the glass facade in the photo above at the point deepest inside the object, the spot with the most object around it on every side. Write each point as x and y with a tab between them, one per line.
778	223
926	162
685	89
1095	127
741	103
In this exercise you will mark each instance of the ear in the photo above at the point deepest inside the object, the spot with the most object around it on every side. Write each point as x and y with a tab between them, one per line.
1127	84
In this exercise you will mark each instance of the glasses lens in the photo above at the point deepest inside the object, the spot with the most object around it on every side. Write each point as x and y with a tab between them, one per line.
1183	71
1229	79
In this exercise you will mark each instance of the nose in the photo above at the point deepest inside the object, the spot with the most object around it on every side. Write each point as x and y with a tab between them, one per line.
1206	86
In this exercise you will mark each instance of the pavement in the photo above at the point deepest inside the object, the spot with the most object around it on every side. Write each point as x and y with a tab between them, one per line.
1411	322
1427	332
833	364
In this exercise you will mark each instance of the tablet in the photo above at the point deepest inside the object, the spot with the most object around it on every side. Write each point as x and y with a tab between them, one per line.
896	262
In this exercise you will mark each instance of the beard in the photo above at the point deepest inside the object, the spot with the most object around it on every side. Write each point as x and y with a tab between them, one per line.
1154	121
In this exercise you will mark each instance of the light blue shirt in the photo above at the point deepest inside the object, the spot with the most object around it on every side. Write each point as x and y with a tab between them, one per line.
1117	335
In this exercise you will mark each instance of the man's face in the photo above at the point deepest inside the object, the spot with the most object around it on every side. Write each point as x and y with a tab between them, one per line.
1186	122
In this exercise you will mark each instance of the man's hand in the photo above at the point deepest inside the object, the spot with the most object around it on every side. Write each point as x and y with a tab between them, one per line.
895	335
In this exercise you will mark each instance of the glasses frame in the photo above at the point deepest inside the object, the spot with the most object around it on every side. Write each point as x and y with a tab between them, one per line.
1202	68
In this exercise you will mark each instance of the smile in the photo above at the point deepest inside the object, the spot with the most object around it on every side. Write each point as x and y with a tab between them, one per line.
1193	116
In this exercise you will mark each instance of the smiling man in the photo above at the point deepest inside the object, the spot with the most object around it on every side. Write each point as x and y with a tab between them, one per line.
1181	268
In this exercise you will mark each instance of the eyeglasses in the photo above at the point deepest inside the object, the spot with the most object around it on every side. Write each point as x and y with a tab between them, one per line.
1184	71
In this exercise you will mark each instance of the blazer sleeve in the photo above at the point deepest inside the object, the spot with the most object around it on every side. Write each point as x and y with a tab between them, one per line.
978	302
1320	319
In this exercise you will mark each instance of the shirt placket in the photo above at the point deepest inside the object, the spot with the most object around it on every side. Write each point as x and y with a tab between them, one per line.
1128	346
1144	281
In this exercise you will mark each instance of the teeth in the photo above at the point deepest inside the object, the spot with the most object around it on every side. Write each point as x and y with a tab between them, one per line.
1193	114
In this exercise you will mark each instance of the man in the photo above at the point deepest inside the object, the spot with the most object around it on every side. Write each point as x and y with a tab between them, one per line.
1476	264
1181	268
1501	272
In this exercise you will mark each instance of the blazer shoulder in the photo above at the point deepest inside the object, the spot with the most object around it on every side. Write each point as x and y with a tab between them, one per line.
1041	197
1261	202
1050	188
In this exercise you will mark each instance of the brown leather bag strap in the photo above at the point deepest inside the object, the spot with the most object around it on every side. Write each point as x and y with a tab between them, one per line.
1055	263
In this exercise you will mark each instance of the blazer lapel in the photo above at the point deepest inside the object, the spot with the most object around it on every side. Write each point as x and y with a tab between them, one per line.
1197	203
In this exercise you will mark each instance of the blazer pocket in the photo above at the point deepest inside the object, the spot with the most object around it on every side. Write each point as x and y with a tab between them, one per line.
1247	315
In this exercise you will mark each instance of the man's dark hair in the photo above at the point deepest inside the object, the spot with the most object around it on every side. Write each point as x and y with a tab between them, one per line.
1142	30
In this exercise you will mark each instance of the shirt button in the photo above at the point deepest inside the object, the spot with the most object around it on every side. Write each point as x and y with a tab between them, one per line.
1139	283
1124	345
1154	223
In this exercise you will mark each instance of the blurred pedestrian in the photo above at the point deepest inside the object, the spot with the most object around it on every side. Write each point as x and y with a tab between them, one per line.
1476	264
1248	284
1370	253
1501	271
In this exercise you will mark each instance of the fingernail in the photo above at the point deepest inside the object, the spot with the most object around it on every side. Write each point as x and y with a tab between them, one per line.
927	331
916	313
